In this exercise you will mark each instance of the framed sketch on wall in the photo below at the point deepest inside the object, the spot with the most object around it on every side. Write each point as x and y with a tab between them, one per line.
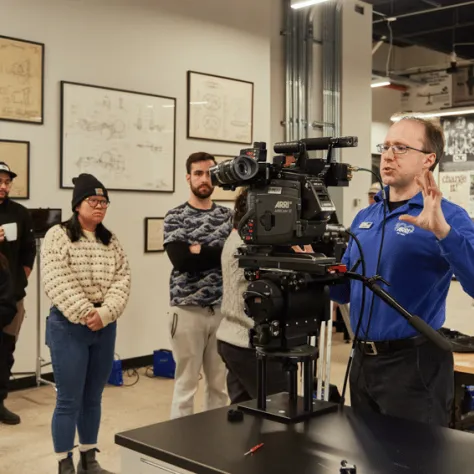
220	194
154	236
126	139
219	108
21	80
16	154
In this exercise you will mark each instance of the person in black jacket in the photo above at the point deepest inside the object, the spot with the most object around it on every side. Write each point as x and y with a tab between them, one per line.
7	299
17	243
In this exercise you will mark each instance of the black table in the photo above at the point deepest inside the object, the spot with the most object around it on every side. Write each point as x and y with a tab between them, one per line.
207	443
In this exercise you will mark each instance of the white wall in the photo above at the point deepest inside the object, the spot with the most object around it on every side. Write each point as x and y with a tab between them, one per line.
146	46
356	103
385	103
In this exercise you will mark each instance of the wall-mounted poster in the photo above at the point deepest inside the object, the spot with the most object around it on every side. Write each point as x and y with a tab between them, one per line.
459	148
456	187
16	154
435	93
220	108
126	139
21	80
154	234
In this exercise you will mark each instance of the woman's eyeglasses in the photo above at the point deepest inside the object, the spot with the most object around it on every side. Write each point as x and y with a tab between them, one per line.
94	202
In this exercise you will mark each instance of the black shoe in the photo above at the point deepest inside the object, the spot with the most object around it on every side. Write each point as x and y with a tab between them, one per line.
7	417
66	466
89	465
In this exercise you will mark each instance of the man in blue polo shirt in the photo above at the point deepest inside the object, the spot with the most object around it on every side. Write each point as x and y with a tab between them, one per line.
395	370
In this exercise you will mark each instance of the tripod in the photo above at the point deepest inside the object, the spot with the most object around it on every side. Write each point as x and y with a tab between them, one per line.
288	407
39	361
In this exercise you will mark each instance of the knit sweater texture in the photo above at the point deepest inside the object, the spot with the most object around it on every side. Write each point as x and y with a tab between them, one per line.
78	274
235	325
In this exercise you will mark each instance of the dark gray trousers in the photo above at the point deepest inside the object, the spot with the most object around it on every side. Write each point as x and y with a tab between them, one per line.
415	383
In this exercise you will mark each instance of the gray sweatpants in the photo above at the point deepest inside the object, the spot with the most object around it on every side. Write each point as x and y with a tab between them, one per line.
194	345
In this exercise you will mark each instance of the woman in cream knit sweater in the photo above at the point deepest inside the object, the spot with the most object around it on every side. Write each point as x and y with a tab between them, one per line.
87	277
233	333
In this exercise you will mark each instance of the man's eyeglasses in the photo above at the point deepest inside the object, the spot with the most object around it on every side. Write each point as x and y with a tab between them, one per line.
94	202
398	149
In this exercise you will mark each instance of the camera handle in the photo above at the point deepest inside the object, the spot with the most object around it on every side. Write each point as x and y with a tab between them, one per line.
415	321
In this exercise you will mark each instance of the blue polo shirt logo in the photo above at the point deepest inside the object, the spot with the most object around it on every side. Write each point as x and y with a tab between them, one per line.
401	228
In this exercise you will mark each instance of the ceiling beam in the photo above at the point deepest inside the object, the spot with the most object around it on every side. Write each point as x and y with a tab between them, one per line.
446	49
433	30
429	10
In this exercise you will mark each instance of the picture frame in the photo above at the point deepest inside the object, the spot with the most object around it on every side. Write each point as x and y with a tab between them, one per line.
154	234
126	139
220	194
16	154
21	80
219	108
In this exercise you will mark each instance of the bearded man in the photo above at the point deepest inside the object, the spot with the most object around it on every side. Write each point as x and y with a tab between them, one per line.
194	235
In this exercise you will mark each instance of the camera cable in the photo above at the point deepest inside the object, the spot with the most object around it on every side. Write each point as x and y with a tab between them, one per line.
361	313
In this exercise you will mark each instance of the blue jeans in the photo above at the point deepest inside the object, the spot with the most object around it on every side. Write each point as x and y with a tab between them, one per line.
82	361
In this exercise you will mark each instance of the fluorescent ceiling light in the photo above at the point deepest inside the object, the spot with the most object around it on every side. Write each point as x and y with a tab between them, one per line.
435	113
296	4
380	84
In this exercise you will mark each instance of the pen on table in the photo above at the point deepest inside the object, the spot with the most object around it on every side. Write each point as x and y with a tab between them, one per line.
253	449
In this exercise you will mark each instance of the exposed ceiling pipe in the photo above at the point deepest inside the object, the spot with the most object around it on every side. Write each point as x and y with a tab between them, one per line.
398	78
424	12
310	42
288	84
435	30
428	69
379	43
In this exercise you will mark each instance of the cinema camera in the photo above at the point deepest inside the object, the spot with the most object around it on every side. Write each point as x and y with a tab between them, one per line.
289	204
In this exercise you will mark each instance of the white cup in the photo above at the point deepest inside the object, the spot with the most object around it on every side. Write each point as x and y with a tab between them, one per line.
11	231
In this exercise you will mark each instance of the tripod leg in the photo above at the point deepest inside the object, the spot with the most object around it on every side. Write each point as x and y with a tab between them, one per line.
261	382
308	384
327	378
322	333
38	312
293	380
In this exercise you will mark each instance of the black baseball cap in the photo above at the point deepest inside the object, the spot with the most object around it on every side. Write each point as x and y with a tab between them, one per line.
4	168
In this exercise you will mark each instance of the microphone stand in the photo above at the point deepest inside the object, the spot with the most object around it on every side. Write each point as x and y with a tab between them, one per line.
415	321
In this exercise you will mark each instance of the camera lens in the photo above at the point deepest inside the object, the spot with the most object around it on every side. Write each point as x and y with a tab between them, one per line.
241	168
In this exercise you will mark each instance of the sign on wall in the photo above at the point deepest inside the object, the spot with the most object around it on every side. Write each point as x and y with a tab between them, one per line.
455	186
434	94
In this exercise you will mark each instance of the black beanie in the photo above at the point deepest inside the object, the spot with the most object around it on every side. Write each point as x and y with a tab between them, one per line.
86	185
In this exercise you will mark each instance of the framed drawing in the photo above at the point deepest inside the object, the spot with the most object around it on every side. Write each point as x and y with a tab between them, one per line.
219	108
16	154
220	194
154	234
126	139
21	80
